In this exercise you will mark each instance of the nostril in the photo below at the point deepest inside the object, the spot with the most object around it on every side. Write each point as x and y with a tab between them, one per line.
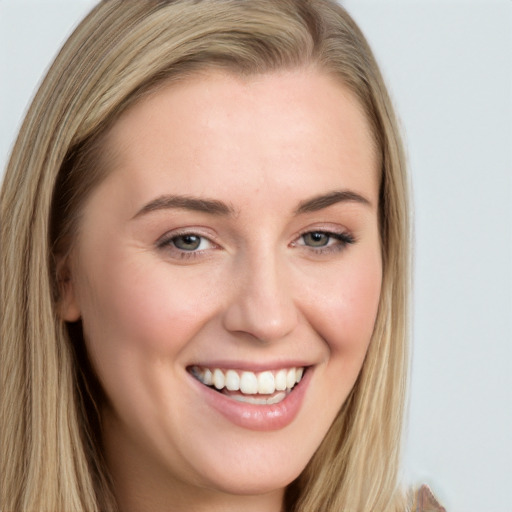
261	322
261	304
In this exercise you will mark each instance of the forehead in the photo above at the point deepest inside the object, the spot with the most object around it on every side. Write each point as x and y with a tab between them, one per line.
216	128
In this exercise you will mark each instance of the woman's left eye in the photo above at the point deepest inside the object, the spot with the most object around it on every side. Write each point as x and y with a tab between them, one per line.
325	240
316	239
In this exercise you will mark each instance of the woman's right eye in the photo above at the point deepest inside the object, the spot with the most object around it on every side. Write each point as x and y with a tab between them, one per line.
188	242
185	245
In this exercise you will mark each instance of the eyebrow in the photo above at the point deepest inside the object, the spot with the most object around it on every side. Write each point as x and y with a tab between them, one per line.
196	204
216	207
325	200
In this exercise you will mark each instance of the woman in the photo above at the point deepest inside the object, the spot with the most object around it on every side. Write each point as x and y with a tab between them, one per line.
205	253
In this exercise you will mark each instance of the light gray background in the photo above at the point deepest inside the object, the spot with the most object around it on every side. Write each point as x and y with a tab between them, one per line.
449	68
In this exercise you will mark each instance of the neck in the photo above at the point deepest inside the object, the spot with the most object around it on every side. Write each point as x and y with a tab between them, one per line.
135	499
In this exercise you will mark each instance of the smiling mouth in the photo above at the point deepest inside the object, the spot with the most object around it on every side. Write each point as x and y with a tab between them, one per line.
259	388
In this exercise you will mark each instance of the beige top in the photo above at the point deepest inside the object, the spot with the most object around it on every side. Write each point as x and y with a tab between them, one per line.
425	501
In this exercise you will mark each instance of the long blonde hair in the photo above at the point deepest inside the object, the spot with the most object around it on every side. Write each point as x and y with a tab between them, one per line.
50	439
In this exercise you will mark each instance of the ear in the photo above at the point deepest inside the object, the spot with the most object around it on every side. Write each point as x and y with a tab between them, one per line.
68	307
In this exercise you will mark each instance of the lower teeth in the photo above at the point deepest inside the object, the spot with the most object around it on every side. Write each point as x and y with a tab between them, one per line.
279	397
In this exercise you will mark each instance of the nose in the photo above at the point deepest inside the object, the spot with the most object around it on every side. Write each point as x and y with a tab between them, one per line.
261	303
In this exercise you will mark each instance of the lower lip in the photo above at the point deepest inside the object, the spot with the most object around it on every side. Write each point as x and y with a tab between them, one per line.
258	417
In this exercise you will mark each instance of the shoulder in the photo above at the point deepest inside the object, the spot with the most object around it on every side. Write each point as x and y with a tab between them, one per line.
425	501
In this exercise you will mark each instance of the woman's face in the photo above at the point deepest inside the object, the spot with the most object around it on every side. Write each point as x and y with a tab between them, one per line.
232	248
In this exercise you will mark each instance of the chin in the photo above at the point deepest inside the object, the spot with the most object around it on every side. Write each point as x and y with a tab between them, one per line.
265	482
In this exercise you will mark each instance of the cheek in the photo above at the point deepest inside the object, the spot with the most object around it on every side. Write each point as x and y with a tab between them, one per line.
344	309
342	312
138	318
137	311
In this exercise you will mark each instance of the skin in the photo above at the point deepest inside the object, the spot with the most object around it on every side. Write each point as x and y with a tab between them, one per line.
255	292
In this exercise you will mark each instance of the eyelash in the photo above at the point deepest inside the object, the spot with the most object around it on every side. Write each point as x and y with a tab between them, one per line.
343	239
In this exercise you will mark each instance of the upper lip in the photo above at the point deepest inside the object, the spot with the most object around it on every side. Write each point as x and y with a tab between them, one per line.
251	366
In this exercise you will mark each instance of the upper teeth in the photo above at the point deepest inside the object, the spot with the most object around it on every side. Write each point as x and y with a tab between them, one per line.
265	383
